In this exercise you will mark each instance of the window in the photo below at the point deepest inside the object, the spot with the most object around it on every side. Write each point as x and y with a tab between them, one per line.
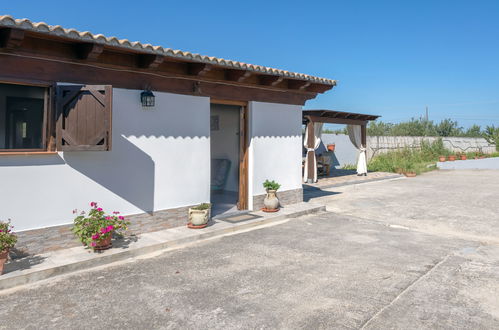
81	120
23	114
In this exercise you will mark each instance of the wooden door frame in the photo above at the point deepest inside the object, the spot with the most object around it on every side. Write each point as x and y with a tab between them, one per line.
242	203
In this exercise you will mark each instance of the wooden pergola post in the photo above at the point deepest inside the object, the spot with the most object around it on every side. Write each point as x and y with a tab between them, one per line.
310	153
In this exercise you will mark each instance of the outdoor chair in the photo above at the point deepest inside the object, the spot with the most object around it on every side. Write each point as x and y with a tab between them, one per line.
219	172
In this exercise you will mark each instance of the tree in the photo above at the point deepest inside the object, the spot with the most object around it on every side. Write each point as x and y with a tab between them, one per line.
491	134
473	131
447	127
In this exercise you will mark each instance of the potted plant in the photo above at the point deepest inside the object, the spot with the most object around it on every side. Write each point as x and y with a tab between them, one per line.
331	147
462	156
7	241
199	216
452	158
96	229
442	159
409	170
271	202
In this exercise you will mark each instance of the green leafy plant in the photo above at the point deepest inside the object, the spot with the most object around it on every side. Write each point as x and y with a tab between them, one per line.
271	185
201	207
491	134
410	160
7	238
97	226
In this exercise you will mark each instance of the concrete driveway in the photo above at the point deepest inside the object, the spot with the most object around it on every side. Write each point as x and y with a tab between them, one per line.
361	267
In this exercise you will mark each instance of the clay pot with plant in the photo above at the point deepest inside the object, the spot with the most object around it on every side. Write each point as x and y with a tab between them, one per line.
95	229
199	216
271	202
463	157
7	241
452	158
442	159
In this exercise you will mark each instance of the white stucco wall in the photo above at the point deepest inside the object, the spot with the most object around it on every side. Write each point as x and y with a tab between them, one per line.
275	149
225	141
159	160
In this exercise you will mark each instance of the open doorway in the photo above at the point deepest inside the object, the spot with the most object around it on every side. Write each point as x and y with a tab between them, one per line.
228	158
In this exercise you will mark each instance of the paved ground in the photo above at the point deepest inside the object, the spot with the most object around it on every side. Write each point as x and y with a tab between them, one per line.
360	268
462	204
471	164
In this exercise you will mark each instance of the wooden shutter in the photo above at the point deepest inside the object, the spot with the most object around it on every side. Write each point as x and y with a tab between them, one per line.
84	118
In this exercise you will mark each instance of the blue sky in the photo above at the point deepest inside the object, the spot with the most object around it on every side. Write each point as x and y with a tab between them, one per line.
391	58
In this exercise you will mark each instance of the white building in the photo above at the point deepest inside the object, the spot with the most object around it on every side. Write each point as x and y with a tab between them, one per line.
74	129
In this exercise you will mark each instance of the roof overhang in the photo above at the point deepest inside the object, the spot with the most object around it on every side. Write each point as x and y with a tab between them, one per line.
337	117
21	37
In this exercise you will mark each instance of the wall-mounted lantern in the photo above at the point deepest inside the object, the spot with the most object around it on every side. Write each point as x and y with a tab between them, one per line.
147	98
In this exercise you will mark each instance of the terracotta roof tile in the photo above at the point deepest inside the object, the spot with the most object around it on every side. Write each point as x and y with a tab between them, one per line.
57	30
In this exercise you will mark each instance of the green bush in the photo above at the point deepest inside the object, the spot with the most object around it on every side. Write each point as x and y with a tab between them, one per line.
409	160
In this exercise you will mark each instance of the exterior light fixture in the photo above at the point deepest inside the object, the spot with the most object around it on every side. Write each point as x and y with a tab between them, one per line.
147	98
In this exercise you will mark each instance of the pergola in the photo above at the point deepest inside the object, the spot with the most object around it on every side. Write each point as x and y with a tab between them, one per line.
310	117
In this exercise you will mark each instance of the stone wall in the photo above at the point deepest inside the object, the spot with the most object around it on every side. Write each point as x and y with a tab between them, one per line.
60	237
285	198
383	144
346	153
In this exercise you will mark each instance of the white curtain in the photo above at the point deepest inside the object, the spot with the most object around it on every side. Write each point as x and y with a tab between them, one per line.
317	142
354	132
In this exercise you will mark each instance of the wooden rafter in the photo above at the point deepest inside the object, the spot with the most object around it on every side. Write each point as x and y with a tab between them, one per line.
88	51
237	75
149	61
270	80
298	84
318	88
11	38
199	69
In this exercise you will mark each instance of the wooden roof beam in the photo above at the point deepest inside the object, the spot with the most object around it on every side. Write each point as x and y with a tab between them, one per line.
270	80
298	84
149	61
199	69
237	75
337	120
88	51
319	88
11	38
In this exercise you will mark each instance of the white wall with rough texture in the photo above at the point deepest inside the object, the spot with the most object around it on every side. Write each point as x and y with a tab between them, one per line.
382	144
275	149
159	160
346	153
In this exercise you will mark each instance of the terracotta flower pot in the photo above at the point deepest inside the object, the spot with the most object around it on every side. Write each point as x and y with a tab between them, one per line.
463	157
4	255
442	159
452	158
482	157
410	174
331	147
104	244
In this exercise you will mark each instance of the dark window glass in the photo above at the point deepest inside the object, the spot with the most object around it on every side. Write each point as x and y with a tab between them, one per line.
21	114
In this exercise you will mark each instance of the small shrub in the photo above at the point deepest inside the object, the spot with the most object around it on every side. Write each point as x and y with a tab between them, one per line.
271	185
202	207
7	238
